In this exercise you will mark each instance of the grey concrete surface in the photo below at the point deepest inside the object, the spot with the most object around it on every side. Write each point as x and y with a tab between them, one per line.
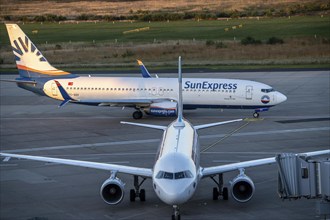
31	124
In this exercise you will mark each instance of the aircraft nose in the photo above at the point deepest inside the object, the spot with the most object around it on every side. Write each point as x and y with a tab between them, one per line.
175	193
281	97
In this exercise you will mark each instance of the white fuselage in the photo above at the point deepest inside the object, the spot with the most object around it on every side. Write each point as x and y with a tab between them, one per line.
176	171
197	92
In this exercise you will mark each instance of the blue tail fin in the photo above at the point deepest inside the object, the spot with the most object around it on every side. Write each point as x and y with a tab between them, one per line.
144	70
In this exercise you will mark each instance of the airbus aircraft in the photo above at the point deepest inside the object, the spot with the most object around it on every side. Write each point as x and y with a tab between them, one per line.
152	96
177	171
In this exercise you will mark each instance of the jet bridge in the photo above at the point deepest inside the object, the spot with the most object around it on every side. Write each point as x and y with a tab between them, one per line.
301	177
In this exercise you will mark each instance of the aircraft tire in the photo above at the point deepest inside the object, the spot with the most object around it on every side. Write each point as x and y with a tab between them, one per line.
215	193
256	115
178	217
142	195
132	195
137	115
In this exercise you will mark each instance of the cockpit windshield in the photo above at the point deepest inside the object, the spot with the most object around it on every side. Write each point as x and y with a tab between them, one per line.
267	90
178	175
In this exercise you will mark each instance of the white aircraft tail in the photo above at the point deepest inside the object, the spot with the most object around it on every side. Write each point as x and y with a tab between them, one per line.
29	60
179	122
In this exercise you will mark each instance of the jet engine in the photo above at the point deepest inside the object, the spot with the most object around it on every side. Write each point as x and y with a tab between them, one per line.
242	188
112	191
162	109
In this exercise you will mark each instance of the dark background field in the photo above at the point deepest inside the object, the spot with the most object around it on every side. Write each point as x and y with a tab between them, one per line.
212	43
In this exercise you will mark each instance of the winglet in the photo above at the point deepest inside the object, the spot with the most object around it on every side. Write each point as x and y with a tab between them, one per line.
144	71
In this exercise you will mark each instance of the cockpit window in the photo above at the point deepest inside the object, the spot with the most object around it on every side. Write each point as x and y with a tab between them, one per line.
160	175
178	175
168	175
267	90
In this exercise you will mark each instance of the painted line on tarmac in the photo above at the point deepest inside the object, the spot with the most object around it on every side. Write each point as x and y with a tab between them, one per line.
116	143
225	137
269	132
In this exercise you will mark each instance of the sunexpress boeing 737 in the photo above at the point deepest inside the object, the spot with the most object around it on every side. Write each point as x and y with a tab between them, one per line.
177	171
154	96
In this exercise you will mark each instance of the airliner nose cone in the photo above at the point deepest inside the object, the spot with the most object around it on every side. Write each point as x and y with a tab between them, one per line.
281	98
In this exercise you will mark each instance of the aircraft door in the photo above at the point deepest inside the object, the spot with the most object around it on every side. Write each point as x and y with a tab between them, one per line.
54	89
249	90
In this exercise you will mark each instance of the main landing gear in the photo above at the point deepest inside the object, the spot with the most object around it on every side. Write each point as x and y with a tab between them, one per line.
137	192
256	115
137	114
176	214
220	190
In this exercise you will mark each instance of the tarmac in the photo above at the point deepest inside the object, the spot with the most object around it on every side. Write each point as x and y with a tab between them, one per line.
34	125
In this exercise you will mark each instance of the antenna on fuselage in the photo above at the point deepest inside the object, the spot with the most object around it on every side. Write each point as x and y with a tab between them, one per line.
179	121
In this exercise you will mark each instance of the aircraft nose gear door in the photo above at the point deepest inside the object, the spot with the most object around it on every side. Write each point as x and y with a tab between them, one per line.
249	90
54	89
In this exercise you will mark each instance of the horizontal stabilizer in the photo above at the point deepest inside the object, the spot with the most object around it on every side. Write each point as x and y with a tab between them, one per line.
145	125
215	124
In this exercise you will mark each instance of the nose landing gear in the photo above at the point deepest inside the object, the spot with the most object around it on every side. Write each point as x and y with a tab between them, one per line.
256	115
176	214
256	111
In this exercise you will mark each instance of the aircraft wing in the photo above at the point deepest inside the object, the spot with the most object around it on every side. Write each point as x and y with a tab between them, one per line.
210	171
144	172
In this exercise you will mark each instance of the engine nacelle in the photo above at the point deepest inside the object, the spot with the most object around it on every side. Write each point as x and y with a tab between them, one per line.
242	188
112	191
162	109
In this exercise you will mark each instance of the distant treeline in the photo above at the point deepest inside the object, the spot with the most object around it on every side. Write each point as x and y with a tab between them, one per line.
145	15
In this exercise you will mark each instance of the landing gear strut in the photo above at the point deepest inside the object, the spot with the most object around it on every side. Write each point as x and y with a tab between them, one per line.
176	214
220	190
137	192
137	114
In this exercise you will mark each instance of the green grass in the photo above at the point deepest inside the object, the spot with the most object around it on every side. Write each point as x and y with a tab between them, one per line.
296	27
